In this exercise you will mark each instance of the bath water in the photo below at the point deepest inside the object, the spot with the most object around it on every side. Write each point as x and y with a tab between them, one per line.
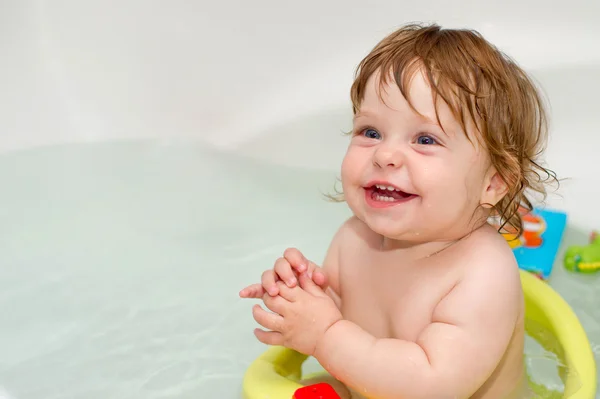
121	265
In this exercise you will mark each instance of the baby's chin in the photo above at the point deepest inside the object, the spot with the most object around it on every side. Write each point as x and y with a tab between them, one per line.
409	231
404	238
397	231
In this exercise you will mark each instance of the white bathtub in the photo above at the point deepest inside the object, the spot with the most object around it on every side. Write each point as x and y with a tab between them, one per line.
127	128
231	73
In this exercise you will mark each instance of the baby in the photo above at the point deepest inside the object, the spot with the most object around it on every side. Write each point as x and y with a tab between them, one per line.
418	295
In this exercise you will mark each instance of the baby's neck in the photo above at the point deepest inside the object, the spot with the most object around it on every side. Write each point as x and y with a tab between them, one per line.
423	248
415	250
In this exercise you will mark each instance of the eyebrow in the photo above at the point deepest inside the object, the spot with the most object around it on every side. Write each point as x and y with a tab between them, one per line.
423	118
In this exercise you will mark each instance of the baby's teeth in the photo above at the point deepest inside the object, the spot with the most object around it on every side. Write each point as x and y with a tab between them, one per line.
390	188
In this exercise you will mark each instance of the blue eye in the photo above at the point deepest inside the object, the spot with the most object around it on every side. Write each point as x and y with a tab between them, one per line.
426	140
371	134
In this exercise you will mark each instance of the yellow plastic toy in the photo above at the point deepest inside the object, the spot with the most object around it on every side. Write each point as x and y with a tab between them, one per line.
275	374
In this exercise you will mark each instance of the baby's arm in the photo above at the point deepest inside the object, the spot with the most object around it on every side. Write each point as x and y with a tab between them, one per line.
452	357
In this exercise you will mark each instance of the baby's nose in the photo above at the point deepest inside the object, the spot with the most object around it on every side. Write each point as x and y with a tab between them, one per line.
388	156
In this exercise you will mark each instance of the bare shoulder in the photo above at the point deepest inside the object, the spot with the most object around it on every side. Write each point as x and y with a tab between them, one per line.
489	285
350	235
477	325
347	236
482	313
354	232
486	255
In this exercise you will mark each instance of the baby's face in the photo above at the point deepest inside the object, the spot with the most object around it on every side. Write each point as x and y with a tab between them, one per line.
405	176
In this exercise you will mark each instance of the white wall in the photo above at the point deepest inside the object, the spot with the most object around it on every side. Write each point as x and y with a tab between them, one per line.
223	70
268	78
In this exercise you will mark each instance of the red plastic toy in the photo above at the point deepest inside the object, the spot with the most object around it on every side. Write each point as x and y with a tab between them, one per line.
316	391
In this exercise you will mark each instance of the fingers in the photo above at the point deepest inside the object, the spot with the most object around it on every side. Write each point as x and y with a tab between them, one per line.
300	264
307	284
320	278
288	293
284	271
268	320
296	259
269	337
281	271
252	291
268	281
277	303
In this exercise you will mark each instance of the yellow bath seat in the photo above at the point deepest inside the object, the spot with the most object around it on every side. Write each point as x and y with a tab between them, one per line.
277	372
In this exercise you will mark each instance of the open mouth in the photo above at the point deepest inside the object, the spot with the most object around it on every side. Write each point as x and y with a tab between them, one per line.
387	195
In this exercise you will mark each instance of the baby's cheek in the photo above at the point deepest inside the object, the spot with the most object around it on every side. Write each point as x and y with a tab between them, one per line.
347	175
437	181
447	196
432	172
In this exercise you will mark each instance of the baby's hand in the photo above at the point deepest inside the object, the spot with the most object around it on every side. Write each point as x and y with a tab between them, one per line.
286	269
299	316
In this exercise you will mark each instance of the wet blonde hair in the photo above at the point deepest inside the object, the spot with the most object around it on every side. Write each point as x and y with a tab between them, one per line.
480	84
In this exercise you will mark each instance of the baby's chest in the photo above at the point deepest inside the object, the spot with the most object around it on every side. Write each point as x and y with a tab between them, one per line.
399	303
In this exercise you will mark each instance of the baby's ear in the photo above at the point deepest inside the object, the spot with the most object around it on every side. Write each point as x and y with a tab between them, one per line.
494	188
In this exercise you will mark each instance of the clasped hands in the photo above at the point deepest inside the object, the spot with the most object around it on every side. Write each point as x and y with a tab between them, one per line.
300	310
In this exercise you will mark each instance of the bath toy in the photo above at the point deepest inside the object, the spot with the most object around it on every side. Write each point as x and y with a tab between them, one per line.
584	259
536	248
316	391
276	373
534	227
